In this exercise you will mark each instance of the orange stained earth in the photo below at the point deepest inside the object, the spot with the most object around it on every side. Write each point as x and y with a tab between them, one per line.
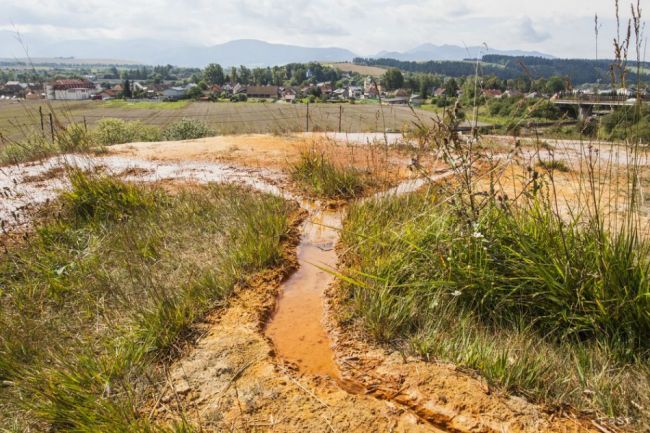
297	329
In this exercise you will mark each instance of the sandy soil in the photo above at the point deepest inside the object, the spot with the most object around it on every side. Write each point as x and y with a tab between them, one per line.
281	152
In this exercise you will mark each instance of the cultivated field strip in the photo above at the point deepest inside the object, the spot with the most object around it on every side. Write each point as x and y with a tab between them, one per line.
19	119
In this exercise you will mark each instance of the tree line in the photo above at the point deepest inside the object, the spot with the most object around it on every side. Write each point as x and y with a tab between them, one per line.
576	71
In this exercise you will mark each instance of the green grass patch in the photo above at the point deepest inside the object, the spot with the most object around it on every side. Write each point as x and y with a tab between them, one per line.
319	176
555	311
108	285
554	165
73	138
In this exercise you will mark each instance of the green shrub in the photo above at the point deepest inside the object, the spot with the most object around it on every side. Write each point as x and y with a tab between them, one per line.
113	131
627	123
117	131
186	129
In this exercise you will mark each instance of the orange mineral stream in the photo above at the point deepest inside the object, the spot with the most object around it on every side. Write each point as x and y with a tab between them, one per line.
296	328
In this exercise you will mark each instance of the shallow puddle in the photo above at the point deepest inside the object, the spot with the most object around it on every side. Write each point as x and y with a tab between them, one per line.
297	328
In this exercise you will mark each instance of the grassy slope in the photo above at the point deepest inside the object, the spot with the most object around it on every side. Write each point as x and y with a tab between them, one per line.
557	323
105	288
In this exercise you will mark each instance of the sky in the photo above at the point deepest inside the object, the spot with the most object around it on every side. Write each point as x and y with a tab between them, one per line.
564	28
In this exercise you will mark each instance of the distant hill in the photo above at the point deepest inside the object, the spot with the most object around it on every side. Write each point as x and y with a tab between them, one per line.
65	61
428	52
248	52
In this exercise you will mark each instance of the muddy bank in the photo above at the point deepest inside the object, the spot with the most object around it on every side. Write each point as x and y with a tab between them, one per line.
300	371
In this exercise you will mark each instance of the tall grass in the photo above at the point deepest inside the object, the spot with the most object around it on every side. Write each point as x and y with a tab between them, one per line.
556	312
73	138
544	292
107	287
319	176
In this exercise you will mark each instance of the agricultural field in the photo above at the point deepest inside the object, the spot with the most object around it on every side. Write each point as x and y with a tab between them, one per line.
373	71
18	120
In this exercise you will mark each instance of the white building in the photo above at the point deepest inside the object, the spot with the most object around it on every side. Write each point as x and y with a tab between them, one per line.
72	89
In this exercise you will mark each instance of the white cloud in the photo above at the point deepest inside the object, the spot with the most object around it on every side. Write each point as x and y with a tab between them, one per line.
560	27
529	33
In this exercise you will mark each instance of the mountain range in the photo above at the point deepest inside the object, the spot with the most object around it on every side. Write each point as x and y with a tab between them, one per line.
248	52
427	52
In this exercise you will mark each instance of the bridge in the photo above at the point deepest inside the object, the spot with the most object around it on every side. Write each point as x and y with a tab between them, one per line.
587	103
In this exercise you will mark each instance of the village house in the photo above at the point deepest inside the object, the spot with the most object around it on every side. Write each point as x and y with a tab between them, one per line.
173	93
416	100
108	94
355	92
14	89
325	88
341	93
493	93
398	100
512	93
440	92
227	88
289	94
70	89
263	92
371	93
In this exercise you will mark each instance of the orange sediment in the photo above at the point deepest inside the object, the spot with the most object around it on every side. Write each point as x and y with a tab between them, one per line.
296	328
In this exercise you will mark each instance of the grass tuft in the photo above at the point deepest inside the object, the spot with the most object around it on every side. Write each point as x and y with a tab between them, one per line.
319	176
108	286
554	311
554	165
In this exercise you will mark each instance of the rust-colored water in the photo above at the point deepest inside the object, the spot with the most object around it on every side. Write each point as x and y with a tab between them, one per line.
297	329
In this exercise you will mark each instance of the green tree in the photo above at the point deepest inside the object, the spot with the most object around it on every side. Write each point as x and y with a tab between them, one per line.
451	87
393	79
126	93
213	74
555	85
195	92
245	75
